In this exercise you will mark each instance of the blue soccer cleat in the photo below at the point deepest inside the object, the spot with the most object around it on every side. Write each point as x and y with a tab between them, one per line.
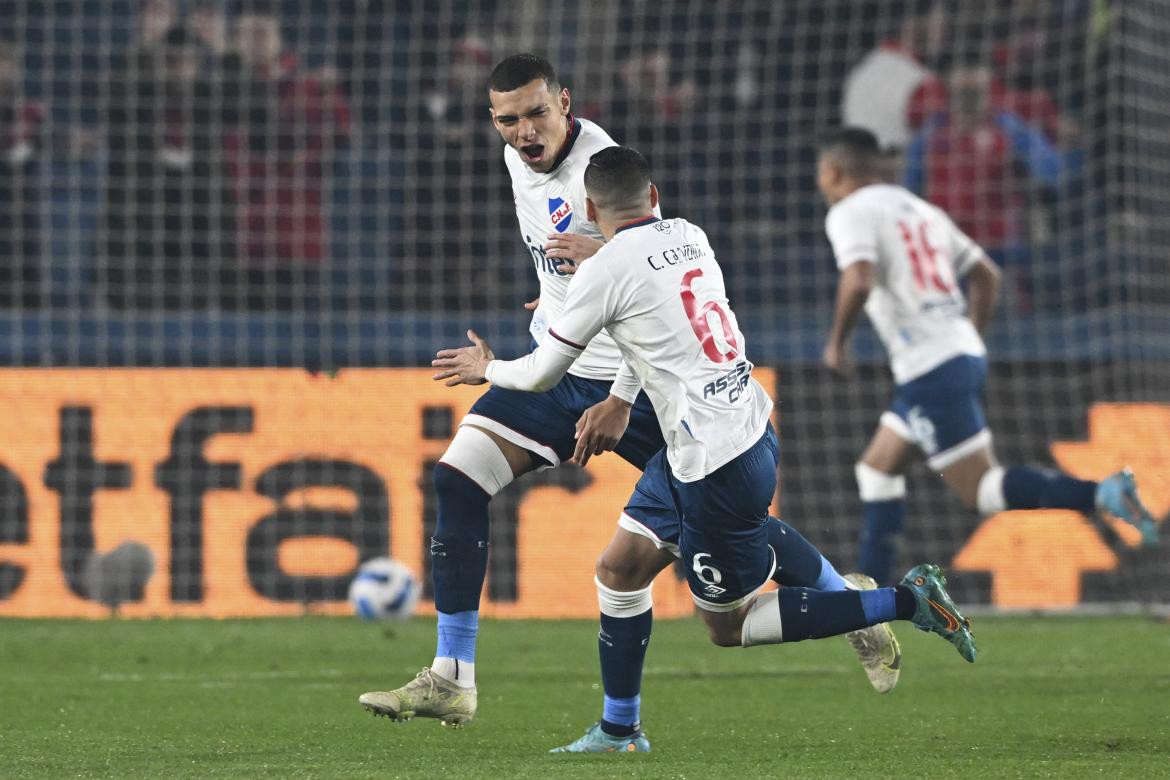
597	741
936	611
1117	495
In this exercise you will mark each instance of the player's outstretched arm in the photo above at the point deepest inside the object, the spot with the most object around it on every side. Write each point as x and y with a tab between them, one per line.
853	288
982	292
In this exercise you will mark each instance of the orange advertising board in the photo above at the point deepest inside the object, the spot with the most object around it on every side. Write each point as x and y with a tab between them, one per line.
259	490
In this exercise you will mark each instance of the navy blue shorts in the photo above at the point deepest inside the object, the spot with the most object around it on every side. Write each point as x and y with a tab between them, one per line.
942	411
723	539
546	425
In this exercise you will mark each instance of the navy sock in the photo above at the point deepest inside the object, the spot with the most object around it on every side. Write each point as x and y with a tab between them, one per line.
459	548
798	562
905	605
880	536
1026	487
622	644
814	614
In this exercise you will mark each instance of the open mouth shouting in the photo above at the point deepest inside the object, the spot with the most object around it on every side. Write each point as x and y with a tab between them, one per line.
532	153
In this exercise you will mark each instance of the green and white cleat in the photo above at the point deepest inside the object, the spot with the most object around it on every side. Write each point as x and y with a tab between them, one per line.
597	741
1117	495
936	610
877	648
426	696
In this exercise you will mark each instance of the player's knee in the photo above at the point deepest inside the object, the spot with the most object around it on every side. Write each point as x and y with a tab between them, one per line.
875	485
623	604
724	634
969	497
620	571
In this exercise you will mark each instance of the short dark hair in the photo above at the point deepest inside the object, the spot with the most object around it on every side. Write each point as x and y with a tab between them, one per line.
854	149
617	177
519	69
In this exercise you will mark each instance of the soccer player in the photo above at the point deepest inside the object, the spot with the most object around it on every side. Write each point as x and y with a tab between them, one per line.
901	259
509	433
656	288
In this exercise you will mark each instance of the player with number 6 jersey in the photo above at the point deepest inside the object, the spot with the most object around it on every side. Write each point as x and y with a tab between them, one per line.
902	258
508	433
658	290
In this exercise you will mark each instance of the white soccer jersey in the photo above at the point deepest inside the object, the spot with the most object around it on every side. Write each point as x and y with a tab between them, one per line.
555	202
659	292
916	305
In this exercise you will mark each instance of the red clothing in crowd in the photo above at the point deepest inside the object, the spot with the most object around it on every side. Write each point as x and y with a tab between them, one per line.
279	183
970	175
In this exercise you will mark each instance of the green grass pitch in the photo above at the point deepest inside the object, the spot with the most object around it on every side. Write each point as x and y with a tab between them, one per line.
1054	697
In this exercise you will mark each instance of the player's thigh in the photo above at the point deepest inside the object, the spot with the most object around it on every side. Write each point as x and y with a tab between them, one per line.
542	424
724	539
631	561
941	412
963	475
889	451
519	459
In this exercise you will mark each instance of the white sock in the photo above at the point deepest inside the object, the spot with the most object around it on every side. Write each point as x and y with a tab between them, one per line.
989	497
462	673
761	626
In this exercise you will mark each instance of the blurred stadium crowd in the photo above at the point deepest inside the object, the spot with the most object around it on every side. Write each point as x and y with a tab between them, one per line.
337	155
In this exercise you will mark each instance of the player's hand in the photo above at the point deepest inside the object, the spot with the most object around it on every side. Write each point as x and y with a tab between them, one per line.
836	359
464	365
572	248
600	428
532	304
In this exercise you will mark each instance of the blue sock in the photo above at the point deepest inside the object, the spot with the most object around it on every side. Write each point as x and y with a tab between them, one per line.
798	562
622	644
457	635
878	605
1025	487
814	614
880	534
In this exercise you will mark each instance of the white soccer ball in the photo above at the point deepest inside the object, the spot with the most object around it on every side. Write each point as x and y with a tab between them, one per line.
383	589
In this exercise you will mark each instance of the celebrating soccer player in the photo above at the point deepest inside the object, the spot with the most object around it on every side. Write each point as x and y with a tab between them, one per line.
658	292
901	259
509	433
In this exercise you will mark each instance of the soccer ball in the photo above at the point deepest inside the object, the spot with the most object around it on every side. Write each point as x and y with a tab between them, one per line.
383	589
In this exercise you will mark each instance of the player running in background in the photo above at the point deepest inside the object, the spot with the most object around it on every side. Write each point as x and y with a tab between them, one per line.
901	259
658	291
509	433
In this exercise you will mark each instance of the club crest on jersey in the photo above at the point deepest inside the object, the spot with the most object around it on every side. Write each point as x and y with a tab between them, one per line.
560	211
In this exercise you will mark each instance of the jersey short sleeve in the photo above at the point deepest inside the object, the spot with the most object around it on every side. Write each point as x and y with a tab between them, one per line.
852	232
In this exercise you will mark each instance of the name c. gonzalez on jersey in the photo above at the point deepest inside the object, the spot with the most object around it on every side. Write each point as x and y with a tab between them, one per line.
672	323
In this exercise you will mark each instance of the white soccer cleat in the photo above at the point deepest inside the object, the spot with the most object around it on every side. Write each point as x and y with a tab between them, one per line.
877	647
426	696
